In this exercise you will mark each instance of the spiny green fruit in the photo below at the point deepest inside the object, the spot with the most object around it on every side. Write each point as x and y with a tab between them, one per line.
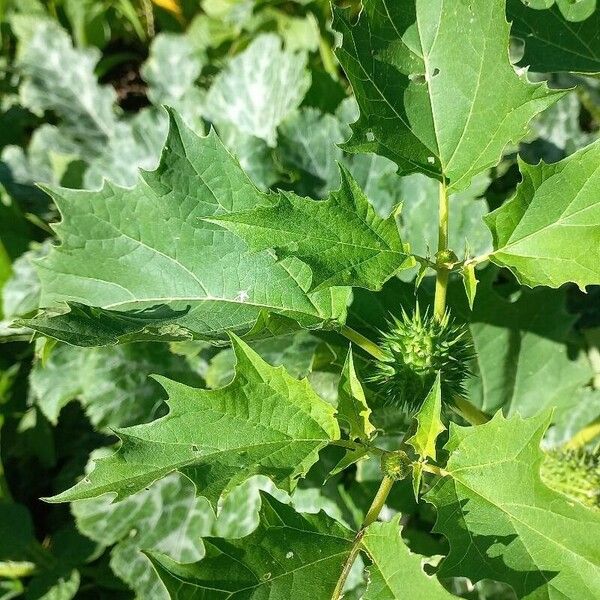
396	465
416	347
574	473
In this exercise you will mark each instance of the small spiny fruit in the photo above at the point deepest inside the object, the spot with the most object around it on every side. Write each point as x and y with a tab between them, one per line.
396	465
416	348
574	473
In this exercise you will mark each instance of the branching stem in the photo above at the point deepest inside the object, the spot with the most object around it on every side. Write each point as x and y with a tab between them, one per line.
371	517
442	273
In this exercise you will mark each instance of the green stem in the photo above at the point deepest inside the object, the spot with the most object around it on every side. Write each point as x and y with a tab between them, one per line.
371	517
362	342
468	412
378	502
586	435
435	470
441	280
328	58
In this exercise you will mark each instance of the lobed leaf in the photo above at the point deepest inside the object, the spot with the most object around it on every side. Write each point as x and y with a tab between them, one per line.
429	423
147	251
396	572
264	422
503	523
352	406
290	555
342	239
549	232
436	90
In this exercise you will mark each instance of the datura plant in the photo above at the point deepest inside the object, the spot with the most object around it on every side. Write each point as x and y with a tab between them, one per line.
355	361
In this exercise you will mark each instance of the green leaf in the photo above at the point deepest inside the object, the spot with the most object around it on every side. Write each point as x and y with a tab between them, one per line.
47	149
577	10
259	88
429	427
135	144
575	413
553	43
89	326
254	155
525	361
53	575
560	130
549	232
113	384
396	572
167	518
296	352
290	555
264	422
503	523
54	75
171	72
352	406
149	252
308	143
436	90
429	423
21	292
470	282
342	239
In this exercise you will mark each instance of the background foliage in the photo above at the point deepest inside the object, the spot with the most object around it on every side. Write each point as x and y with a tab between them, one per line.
83	84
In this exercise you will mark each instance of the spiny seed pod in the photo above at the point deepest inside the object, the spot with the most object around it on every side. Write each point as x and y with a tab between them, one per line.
574	473
416	347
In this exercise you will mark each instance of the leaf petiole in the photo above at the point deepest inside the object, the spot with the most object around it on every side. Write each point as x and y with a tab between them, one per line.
468	412
362	342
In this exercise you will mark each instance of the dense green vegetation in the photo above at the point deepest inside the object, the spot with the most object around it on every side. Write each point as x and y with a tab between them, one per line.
299	301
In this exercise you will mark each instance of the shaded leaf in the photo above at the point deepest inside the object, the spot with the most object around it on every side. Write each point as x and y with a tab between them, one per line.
525	361
166	518
290	555
554	44
113	384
